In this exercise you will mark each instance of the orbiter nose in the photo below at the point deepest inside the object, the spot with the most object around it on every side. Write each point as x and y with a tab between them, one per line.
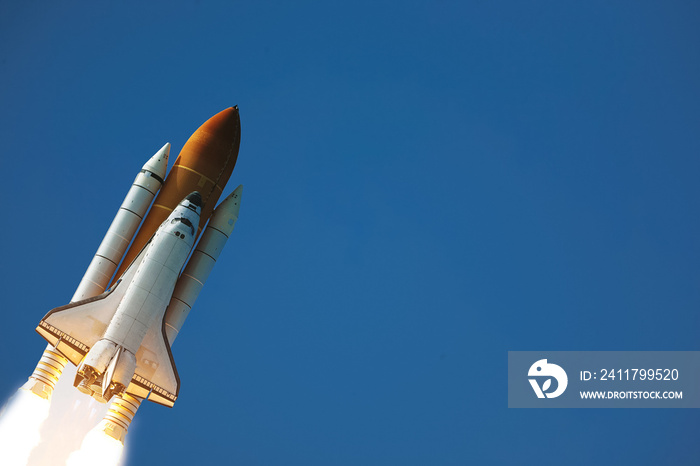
195	198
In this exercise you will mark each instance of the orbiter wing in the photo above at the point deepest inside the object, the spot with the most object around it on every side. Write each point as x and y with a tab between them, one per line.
74	328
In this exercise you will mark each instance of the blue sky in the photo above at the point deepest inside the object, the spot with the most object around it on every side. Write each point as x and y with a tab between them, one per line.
428	185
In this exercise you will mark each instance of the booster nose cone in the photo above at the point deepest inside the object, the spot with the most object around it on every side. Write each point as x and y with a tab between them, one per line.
236	195
158	164
195	198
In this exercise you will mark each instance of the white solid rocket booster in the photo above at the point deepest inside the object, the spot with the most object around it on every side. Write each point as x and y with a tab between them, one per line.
200	265
124	226
43	380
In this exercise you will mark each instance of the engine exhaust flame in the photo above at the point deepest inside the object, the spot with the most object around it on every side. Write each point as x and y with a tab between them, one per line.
71	417
96	445
20	425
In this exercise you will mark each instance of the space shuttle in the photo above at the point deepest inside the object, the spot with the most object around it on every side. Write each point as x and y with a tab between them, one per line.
142	282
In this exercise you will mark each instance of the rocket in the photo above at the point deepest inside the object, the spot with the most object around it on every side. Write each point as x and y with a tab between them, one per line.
119	327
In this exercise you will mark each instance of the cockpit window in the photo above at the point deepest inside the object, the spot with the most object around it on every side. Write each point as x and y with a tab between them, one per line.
185	221
188	223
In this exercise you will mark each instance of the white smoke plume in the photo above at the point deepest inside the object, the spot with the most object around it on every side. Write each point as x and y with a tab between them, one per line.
32	434
20	424
97	444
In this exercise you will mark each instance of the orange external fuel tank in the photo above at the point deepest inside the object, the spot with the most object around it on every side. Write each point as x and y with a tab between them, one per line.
205	164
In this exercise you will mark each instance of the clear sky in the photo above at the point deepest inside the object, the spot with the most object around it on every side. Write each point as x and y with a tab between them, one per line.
428	185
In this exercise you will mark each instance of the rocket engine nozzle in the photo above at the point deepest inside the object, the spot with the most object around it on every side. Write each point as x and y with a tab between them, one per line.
106	371
121	412
84	386
43	380
85	378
